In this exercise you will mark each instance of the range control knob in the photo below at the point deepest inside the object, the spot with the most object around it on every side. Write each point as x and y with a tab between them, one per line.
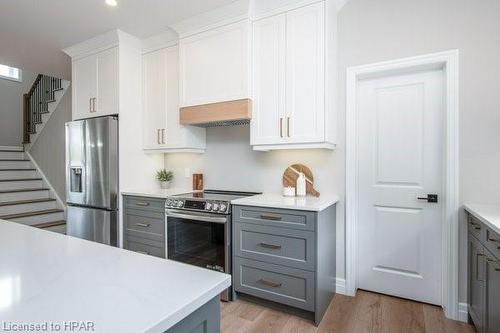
208	206
216	207
223	207
180	203
169	202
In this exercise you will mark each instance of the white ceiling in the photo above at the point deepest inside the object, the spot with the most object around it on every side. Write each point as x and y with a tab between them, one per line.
33	32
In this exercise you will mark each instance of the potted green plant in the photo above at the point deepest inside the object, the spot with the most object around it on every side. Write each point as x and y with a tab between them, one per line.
164	177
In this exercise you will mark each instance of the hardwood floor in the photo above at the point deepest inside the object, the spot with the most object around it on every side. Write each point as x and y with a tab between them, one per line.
367	312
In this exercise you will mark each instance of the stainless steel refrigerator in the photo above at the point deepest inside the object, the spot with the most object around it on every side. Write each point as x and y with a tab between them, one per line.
92	179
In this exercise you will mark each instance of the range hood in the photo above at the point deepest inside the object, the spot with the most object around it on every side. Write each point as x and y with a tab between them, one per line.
237	112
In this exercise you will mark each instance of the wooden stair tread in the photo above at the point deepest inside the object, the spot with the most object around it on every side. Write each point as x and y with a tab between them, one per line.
19	180
49	224
22	202
25	190
41	212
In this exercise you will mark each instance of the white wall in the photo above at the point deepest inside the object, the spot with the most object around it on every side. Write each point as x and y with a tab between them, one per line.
11	108
49	150
371	31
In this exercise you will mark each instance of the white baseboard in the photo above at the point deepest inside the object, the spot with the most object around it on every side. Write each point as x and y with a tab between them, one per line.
12	148
340	286
463	312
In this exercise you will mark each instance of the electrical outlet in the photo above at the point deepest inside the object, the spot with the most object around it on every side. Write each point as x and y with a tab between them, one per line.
187	173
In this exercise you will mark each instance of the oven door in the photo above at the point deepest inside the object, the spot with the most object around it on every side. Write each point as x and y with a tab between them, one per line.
199	239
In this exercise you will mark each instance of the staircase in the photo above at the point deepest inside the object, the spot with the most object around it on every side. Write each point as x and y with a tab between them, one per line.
39	104
24	195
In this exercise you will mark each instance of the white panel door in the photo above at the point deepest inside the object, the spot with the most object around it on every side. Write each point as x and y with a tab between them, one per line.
154	98
269	49
84	86
400	124
305	91
214	65
107	83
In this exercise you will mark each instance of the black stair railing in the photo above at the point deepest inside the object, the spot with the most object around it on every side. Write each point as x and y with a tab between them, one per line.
36	103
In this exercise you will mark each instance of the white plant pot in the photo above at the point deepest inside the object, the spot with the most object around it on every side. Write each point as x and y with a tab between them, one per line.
164	185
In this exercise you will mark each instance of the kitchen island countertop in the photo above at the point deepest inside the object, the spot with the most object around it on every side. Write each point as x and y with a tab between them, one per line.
47	277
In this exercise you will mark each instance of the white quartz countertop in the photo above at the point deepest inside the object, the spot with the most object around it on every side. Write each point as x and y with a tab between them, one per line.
488	214
156	193
47	277
275	200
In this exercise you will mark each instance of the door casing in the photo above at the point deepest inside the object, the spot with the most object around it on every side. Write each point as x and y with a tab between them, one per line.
448	62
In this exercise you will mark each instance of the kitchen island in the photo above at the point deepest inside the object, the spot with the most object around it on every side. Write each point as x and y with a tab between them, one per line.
59	282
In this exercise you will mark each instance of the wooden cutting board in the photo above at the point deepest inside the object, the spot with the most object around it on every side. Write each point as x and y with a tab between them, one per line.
292	173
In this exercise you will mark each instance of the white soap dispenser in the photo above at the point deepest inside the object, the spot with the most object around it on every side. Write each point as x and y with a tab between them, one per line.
301	185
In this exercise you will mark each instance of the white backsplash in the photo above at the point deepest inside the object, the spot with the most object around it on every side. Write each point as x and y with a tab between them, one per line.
230	164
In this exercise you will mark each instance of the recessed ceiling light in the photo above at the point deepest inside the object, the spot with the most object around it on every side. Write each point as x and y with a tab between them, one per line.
111	3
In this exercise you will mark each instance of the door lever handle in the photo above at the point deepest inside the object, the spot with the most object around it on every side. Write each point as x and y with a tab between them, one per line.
429	198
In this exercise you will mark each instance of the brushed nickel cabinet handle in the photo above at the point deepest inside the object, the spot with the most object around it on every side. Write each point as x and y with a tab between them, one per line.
288	126
163	136
158	136
93	104
90	104
271	217
281	127
144	225
270	283
142	203
143	252
270	246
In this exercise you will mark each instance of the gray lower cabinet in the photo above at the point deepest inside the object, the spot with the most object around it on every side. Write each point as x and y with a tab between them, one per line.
483	276
144	225
285	256
204	320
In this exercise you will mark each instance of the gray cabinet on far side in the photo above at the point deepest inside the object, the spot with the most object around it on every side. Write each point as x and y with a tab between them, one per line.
285	256
144	225
483	276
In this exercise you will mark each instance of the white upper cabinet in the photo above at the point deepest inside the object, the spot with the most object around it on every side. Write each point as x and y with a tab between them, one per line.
305	83
269	67
214	65
161	127
289	75
95	84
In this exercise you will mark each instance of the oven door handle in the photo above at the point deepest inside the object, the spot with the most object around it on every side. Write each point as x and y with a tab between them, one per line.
202	218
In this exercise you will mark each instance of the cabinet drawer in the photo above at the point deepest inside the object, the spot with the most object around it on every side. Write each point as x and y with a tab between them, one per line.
475	227
150	204
290	286
144	226
492	242
301	220
288	247
144	246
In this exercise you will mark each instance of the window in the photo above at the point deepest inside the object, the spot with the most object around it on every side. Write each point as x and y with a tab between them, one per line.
10	73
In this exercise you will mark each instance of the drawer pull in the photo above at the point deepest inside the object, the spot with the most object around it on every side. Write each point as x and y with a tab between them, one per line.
477	228
493	240
143	252
270	246
270	283
271	217
142	203
144	225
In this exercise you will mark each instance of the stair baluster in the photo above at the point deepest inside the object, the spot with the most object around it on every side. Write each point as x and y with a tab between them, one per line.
36	103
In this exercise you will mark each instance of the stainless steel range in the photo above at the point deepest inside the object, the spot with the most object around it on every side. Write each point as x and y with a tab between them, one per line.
199	229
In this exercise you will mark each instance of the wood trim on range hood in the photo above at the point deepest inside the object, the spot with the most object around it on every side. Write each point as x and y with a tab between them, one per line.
228	111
